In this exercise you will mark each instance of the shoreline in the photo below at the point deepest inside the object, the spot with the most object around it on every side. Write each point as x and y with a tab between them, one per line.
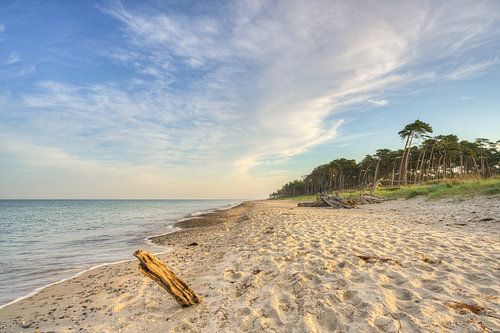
77	292
190	219
38	290
202	220
177	226
273	266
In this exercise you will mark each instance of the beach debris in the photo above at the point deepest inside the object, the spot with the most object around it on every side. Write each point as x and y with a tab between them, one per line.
193	244
429	260
480	327
373	259
25	324
377	183
269	230
158	271
335	201
367	199
462	307
312	204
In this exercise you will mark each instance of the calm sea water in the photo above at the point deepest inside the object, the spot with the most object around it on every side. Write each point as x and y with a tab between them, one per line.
44	241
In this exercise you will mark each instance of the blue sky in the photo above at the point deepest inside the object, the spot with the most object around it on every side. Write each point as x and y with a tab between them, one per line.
207	99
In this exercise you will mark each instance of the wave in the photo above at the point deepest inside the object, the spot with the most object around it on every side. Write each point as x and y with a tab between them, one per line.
147	240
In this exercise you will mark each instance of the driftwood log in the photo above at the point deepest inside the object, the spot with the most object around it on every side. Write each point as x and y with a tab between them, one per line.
377	183
372	199
155	269
325	200
312	204
336	202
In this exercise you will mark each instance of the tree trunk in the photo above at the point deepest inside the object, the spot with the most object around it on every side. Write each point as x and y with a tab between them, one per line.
431	157
402	160
439	165
461	163
475	164
376	171
421	168
406	161
392	177
444	166
482	166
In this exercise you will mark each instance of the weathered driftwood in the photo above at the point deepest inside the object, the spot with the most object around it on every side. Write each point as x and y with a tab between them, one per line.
377	183
312	204
155	269
367	199
336	202
325	200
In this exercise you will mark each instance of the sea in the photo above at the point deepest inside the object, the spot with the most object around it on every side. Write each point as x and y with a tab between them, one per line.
46	241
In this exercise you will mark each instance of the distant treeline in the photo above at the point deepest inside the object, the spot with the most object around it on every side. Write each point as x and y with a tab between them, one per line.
422	158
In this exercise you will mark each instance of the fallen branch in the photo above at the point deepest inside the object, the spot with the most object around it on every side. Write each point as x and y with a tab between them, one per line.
335	202
372	198
312	204
377	183
155	269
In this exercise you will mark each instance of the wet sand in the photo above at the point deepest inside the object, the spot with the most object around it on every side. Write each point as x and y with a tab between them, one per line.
399	266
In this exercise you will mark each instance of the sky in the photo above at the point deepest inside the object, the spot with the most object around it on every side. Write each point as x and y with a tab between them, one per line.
230	99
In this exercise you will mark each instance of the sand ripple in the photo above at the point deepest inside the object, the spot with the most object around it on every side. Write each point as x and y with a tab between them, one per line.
403	266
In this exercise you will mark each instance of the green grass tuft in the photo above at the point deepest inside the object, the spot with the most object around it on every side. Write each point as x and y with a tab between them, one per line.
444	189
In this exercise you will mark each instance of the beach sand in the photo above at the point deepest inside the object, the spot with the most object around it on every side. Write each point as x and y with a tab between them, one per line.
269	266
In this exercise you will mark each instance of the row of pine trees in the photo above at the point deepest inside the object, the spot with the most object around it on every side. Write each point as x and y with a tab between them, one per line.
422	158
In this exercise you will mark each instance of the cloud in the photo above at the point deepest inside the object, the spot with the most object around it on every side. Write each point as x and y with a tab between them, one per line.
251	83
299	63
144	126
12	59
2	28
469	70
466	98
380	102
50	172
13	68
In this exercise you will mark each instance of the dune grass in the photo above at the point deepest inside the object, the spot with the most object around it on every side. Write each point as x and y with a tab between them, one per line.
459	188
445	188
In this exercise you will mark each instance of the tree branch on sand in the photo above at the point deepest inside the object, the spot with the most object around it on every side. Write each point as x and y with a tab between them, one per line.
155	269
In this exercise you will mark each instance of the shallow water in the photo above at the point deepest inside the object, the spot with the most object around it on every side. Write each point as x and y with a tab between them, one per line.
44	241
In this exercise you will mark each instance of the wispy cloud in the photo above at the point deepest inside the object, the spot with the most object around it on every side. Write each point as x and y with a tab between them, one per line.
299	67
12	59
253	83
50	172
471	69
379	102
12	67
2	27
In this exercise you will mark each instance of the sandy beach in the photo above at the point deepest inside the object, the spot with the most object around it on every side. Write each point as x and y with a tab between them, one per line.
269	266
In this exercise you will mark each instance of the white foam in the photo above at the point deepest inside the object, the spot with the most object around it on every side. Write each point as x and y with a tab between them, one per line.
37	290
148	240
